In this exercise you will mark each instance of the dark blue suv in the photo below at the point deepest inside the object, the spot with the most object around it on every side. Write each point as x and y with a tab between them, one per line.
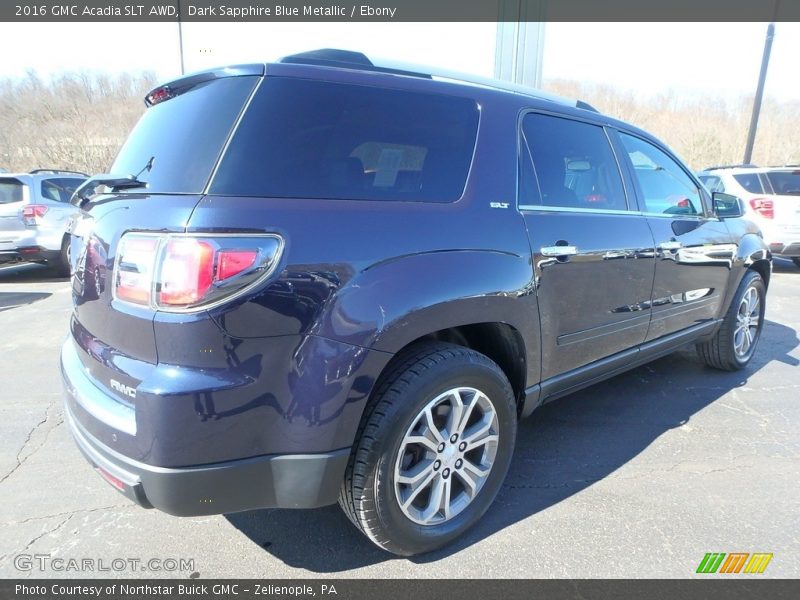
324	279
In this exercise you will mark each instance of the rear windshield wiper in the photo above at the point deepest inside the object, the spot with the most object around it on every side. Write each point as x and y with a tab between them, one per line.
116	182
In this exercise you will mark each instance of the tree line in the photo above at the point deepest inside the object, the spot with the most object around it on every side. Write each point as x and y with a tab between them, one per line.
79	121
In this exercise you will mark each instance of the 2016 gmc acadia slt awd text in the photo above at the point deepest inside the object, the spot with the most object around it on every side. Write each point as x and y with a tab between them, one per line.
326	279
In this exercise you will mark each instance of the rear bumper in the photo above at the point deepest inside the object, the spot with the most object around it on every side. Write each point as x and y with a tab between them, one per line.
28	254
276	481
789	250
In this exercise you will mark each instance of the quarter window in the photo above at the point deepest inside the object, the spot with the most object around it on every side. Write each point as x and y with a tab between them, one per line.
315	139
568	164
750	182
665	186
60	189
10	191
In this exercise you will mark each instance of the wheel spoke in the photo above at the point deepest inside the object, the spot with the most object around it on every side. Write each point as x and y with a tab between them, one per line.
422	440
467	413
435	500
415	475
754	310
456	412
477	471
432	428
470	479
475	434
407	501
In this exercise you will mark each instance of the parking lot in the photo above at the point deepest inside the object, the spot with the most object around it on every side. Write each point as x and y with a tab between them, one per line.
639	476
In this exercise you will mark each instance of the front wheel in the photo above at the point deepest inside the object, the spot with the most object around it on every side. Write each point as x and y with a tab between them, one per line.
433	449
734	344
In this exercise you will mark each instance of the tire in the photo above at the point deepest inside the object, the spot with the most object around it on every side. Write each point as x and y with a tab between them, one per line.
728	349
61	266
796	261
438	377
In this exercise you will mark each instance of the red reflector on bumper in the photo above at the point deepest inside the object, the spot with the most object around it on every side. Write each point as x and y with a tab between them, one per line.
120	485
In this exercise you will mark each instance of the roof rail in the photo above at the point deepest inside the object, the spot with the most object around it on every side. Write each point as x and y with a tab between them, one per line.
344	59
35	171
741	166
347	59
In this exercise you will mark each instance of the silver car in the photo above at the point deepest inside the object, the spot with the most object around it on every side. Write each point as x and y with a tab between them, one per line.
771	200
34	214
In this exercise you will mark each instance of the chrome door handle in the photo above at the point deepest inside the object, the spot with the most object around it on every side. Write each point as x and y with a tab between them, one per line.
558	250
669	245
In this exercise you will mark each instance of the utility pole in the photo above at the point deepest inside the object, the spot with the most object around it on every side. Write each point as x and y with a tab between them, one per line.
762	76
180	38
519	47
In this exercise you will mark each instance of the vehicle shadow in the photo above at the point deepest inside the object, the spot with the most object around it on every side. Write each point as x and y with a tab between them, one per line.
784	265
562	449
28	272
9	300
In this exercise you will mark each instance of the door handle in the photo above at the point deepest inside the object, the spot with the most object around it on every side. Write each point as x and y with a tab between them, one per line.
558	250
670	245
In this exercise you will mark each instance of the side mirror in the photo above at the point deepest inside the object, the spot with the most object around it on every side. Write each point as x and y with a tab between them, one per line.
726	206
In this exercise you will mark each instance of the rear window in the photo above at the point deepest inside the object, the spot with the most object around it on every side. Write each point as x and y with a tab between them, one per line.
311	139
785	182
184	136
60	189
10	190
712	183
750	182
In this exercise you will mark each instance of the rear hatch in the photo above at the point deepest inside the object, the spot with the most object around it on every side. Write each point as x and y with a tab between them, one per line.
172	151
785	184
13	195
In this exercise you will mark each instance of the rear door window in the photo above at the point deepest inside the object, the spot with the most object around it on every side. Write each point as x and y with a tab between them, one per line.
314	139
10	190
568	164
664	185
184	136
59	189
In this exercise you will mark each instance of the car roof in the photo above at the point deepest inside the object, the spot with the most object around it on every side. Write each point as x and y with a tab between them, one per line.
740	169
325	62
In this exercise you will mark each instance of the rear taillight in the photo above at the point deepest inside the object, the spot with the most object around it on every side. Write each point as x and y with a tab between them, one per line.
33	213
763	206
183	272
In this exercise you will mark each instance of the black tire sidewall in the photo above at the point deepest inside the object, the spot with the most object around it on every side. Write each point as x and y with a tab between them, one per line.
410	537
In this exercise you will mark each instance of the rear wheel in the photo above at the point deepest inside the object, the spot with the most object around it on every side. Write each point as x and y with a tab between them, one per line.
61	265
432	451
735	342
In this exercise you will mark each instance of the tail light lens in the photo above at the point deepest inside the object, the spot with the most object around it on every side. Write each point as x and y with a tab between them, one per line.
33	213
764	207
180	273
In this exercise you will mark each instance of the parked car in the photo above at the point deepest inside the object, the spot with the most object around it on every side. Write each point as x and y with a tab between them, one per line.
772	201
353	281
34	212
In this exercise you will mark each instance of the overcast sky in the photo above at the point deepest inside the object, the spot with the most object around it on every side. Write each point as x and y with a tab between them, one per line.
648	58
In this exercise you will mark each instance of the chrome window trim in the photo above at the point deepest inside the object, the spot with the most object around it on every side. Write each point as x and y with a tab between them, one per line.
604	211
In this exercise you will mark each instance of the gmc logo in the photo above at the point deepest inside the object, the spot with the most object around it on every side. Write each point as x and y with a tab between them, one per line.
126	390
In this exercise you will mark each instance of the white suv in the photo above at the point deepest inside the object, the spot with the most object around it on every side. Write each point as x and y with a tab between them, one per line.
34	214
772	200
